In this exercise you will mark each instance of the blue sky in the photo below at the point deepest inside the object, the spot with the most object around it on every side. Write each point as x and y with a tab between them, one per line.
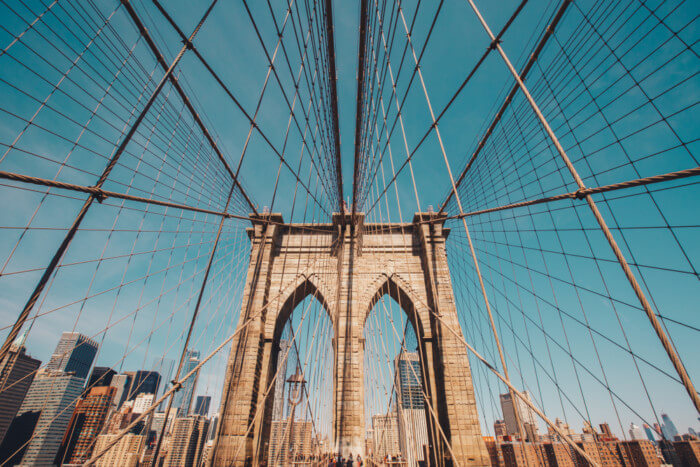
172	249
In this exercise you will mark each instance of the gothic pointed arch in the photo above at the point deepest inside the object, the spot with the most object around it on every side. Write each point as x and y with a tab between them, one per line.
301	287
398	289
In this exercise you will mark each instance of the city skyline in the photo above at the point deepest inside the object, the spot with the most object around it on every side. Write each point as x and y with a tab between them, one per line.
61	413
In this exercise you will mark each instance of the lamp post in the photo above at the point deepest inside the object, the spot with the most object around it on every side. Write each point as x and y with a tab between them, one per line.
296	384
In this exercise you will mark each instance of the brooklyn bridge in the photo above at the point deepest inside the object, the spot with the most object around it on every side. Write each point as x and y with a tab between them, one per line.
372	232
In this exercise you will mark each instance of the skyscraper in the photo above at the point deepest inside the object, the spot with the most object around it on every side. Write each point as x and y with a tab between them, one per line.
409	382
636	432
159	418
183	398
650	433
86	423
142	382
100	376
526	414
499	428
42	419
201	406
122	383
164	367
385	429
289	440
278	404
187	441
212	427
16	375
143	402
125	453
668	428
410	407
74	352
605	429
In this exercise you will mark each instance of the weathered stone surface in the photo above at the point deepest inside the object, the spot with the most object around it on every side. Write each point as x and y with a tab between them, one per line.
348	266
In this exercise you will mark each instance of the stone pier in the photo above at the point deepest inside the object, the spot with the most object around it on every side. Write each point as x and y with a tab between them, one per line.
348	266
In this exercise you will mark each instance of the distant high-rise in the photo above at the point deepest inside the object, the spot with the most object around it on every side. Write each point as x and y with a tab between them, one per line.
100	376
287	439
212	427
159	418
86	423
413	428
386	435
183	398
668	428
526	414
605	430
278	404
142	382
164	367
126	453
42	419
74	352
499	428
649	432
409	382
187	441
636	432
143	402
201	405
122	383
16	375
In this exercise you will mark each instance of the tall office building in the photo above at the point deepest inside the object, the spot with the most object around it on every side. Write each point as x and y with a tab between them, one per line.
605	431
201	406
121	383
86	423
412	422
668	428
212	427
122	418
100	376
287	439
42	419
499	428
182	399
279	400
142	382
409	381
16	375
74	353
142	403
650	433
187	441
164	367
159	418
526	414
131	384
125	453
636	432
385	429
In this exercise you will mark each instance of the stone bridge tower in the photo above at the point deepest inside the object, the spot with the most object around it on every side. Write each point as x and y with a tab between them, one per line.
348	265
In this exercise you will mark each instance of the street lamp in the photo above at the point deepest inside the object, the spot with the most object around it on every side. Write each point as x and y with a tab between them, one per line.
296	384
